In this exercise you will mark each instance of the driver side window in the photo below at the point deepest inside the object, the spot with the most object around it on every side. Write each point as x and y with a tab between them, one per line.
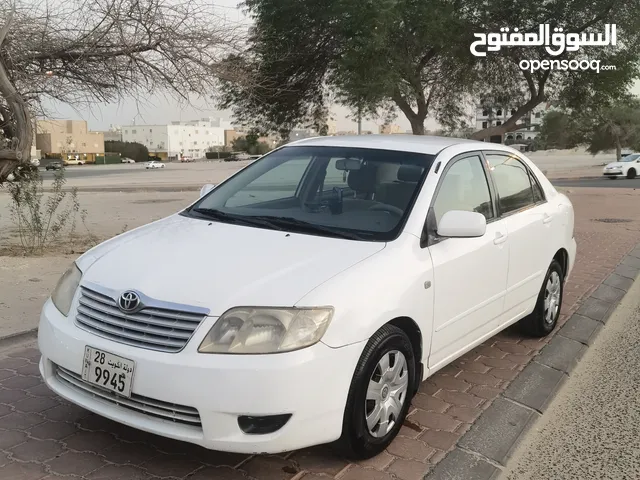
464	187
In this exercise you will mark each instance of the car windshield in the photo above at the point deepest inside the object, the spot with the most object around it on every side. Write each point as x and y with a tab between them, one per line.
631	158
356	193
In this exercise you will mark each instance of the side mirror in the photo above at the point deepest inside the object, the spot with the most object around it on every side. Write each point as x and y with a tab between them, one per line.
206	189
461	224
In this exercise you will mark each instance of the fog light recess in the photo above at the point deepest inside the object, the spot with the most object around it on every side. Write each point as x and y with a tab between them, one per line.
262	425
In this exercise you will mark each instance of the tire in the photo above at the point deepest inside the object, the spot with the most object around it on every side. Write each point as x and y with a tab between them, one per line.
541	322
631	173
357	440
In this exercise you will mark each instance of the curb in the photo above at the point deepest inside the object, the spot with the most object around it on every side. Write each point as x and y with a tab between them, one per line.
125	189
18	338
571	179
484	450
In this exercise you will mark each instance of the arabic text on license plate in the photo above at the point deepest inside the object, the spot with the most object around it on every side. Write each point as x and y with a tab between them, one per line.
107	371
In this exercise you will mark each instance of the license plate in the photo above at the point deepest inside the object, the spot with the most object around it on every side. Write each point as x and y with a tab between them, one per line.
108	371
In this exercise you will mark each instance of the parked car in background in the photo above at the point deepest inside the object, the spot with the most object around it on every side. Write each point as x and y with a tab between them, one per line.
55	165
154	164
128	160
304	299
187	159
74	161
628	166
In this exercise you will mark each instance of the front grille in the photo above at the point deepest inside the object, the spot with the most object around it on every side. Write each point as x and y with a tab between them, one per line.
148	406
151	328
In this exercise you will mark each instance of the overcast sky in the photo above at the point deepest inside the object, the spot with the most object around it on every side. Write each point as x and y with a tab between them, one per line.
158	109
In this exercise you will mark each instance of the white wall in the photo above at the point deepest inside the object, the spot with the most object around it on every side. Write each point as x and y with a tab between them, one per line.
192	139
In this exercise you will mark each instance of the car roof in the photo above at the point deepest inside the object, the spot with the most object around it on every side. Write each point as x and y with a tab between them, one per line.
430	145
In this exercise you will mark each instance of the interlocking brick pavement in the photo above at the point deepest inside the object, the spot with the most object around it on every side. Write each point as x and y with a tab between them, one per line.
43	436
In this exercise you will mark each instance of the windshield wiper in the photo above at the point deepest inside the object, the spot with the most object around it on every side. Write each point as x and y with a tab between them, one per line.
302	226
214	214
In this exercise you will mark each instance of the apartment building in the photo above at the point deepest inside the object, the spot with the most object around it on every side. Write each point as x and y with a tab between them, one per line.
528	125
176	139
70	139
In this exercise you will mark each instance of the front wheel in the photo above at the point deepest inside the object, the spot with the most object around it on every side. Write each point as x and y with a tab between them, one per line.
631	174
544	317
380	394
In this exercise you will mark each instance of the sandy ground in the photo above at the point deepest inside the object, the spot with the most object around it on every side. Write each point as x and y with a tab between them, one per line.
601	398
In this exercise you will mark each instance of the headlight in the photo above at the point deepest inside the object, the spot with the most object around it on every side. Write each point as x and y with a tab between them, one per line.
266	330
62	295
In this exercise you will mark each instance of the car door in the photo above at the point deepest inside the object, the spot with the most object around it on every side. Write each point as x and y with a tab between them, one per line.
470	274
529	219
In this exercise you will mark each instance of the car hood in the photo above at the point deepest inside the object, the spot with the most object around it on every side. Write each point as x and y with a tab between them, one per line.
616	165
218	266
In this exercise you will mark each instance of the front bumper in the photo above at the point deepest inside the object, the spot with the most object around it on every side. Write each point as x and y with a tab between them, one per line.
310	384
612	173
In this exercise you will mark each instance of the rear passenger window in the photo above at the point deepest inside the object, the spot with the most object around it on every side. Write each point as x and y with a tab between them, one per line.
464	187
512	181
538	196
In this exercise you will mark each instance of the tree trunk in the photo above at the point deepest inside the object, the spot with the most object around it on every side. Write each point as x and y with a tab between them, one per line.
618	148
417	126
20	148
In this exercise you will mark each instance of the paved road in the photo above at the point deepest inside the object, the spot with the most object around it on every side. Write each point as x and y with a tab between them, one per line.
592	429
598	183
87	171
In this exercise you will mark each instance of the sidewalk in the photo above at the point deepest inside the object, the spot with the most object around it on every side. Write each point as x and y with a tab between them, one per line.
591	429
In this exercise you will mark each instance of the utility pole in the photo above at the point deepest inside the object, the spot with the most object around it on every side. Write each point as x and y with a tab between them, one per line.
359	120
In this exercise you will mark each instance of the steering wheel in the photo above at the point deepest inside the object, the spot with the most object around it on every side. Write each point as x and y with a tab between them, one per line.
383	207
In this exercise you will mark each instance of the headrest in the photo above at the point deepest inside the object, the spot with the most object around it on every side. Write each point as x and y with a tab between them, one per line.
363	180
409	173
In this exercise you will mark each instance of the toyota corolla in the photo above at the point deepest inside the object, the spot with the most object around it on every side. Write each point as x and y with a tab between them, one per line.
304	299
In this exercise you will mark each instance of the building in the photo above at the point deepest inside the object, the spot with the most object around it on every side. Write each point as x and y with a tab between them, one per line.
299	134
528	125
332	127
171	141
114	134
69	139
389	129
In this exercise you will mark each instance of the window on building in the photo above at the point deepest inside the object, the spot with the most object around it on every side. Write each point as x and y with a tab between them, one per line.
486	112
84	144
513	111
498	122
150	130
126	131
197	132
485	124
499	112
134	132
537	114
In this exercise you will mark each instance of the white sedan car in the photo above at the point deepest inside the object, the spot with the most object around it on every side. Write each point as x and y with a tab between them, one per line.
154	164
628	166
304	299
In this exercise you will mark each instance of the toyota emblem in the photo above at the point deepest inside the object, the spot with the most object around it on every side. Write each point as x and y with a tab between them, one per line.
129	301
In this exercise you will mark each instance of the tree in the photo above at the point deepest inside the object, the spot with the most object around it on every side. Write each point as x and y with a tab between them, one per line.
103	50
558	130
609	127
250	143
135	151
414	57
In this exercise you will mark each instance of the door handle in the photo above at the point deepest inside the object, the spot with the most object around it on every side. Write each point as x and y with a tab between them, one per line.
500	238
547	218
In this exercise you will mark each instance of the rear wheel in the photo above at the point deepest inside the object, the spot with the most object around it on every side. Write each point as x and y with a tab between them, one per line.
544	317
631	173
380	394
